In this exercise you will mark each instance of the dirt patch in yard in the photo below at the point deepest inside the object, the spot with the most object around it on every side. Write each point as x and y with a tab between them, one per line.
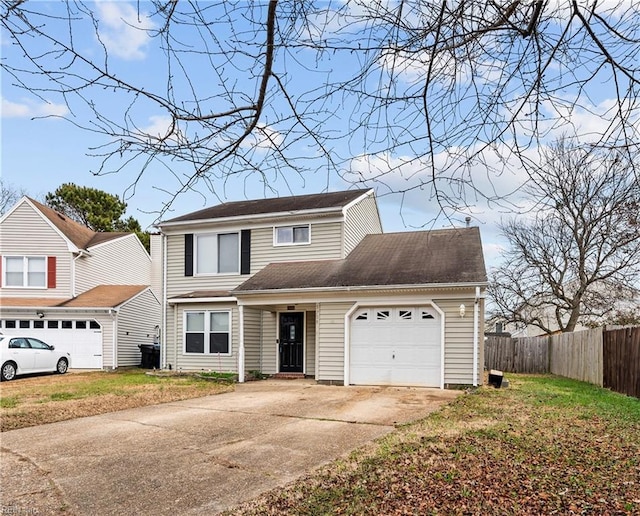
37	400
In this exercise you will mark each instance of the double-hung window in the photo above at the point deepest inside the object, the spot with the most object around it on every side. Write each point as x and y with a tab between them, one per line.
292	235
218	253
207	332
25	271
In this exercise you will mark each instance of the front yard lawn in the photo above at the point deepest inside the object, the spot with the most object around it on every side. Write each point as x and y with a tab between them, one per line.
545	445
36	400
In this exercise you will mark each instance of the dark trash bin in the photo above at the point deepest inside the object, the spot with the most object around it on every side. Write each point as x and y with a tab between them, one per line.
150	356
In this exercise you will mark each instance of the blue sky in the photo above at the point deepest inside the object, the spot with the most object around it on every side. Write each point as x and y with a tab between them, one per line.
40	151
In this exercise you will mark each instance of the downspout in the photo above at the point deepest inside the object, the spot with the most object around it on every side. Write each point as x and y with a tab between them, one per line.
241	345
476	317
114	338
347	342
175	336
163	322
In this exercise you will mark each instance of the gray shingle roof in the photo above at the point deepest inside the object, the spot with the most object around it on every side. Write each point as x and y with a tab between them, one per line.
273	205
444	256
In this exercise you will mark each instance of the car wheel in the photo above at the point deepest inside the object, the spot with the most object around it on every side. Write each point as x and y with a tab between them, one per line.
62	366
8	371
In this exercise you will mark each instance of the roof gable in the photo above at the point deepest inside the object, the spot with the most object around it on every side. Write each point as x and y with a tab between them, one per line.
79	235
445	256
290	204
75	232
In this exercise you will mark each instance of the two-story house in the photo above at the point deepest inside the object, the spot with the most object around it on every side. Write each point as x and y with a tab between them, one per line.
84	292
310	286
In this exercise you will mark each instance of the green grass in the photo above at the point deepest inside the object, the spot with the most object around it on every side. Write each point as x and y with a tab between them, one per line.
544	445
9	402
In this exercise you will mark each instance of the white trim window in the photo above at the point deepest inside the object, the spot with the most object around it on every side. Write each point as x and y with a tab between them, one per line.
24	271
207	332
292	235
217	253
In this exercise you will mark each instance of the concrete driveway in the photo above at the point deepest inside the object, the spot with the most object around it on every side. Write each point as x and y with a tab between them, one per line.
197	456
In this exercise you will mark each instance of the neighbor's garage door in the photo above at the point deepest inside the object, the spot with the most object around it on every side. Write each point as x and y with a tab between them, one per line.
81	338
395	346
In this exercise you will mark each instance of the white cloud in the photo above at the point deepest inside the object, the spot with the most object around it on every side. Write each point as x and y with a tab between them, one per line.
158	127
124	29
263	137
30	109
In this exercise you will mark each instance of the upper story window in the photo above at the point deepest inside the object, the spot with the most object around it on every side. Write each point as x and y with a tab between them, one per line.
292	235
217	253
24	271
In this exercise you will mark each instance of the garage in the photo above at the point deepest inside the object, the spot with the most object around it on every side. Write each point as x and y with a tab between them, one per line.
81	338
396	346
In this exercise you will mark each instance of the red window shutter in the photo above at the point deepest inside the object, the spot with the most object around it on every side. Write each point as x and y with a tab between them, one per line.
51	272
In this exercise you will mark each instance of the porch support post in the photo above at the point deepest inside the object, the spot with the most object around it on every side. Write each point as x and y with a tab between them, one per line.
241	344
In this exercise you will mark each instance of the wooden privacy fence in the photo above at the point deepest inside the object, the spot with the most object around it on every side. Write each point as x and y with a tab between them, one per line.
608	358
622	361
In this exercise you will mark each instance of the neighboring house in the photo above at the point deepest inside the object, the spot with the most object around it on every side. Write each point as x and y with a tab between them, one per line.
309	286
84	292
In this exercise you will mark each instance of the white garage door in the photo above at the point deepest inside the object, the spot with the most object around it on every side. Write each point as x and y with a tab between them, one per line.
81	338
395	346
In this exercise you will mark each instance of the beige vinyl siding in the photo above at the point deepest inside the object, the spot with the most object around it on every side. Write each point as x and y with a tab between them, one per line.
361	219
330	341
310	344
269	345
326	241
326	244
182	361
123	261
178	283
458	335
252	335
137	321
25	233
156	264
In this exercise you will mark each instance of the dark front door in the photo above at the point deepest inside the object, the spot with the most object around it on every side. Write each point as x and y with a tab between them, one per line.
291	353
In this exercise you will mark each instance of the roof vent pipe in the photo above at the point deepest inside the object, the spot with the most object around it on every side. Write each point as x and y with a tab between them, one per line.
467	220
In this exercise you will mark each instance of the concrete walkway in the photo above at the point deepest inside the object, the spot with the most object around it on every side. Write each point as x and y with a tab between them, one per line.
197	456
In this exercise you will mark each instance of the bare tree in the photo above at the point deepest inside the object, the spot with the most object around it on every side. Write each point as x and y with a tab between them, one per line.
9	195
576	258
431	92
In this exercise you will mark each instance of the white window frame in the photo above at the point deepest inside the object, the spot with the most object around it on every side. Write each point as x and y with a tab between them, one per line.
25	271
207	331
216	271
276	241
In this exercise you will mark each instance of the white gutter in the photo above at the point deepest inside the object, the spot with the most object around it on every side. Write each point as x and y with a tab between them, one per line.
362	288
243	218
241	345
179	300
96	309
476	310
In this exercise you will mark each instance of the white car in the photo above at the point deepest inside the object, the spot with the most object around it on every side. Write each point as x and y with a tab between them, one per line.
26	355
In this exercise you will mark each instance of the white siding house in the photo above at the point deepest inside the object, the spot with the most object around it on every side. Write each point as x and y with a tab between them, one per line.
80	290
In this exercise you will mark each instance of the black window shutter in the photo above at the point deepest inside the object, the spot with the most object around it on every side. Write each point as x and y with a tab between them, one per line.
245	251
188	254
